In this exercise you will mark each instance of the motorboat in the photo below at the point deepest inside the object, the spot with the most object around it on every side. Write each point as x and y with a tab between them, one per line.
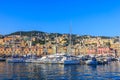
91	61
70	60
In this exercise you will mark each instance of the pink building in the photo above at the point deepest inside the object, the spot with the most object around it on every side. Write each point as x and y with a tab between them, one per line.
99	50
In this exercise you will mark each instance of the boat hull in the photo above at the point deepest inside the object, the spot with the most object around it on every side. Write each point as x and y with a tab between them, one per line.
91	62
18	60
70	62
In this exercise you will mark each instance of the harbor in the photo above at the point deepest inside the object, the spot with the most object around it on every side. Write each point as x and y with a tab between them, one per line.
66	59
59	39
49	59
96	53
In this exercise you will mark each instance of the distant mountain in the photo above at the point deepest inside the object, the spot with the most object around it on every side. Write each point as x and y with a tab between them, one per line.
34	33
40	33
42	36
27	33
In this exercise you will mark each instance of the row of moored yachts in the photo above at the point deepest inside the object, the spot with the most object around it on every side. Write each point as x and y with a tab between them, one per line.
64	59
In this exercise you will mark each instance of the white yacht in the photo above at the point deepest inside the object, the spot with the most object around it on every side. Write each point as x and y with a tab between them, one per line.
69	60
59	59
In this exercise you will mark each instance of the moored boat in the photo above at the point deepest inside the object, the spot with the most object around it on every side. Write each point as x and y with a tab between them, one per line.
15	60
92	61
2	59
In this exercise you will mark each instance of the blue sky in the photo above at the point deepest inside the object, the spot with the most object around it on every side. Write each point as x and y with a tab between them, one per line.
87	17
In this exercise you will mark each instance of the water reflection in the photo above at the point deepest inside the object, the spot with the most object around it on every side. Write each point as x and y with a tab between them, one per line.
25	71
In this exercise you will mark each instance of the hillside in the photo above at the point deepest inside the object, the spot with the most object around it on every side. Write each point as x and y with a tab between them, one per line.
40	33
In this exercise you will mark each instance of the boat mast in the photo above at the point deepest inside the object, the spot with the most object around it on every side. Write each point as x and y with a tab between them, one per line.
20	42
118	51
38	46
45	48
30	46
56	44
13	41
70	42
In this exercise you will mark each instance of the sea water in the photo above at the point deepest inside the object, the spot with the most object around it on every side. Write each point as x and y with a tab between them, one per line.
33	71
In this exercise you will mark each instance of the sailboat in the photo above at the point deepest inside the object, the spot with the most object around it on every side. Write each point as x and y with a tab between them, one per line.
32	57
66	59
15	59
69	59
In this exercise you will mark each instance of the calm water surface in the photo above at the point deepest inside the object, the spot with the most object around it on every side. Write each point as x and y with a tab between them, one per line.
31	71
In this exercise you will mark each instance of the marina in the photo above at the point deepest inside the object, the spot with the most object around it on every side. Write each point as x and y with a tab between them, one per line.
64	58
60	40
